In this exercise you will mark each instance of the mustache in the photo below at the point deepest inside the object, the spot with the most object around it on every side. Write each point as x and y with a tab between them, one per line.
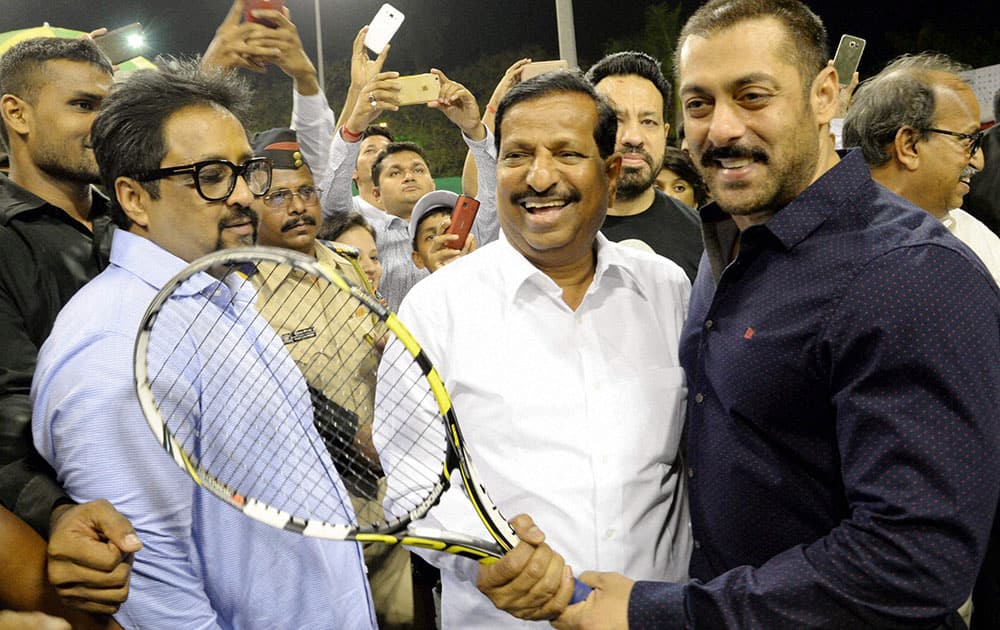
570	196
305	219
239	212
735	151
631	148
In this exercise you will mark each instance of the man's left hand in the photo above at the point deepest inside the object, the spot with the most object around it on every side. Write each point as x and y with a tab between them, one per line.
605	609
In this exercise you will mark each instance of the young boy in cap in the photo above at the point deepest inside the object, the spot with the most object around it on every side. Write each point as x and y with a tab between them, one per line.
429	221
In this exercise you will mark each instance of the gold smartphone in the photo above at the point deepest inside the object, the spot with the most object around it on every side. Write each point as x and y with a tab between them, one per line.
848	57
536	68
418	88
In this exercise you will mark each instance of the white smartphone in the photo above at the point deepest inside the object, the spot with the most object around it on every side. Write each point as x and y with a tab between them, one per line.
383	26
848	57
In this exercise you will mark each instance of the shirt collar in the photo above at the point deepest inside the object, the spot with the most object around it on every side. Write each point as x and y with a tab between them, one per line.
15	200
612	263
152	264
795	222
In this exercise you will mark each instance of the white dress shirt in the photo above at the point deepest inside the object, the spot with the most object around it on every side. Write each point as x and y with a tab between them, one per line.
983	242
573	417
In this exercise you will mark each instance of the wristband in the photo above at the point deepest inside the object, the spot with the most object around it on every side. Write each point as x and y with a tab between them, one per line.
349	135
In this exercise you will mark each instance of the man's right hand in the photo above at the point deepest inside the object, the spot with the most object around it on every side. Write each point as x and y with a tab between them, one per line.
239	44
90	553
531	581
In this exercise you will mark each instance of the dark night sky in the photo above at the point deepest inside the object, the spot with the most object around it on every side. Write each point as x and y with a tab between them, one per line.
446	33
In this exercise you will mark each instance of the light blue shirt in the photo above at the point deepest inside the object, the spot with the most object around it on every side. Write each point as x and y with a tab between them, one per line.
203	564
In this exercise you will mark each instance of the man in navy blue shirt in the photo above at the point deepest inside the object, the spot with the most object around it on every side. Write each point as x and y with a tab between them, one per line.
841	353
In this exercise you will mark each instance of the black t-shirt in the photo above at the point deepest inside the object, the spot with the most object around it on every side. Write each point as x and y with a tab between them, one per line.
668	226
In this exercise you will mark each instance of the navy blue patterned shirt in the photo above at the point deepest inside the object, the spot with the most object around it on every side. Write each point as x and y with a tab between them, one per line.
843	418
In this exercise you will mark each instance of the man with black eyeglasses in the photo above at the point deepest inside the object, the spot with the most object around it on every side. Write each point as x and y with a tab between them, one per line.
174	155
917	123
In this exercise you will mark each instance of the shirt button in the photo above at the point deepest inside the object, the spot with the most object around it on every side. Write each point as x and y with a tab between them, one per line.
690	472
609	534
709	324
699	398
697	545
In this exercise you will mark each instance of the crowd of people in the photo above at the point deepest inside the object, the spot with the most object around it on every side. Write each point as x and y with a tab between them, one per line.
750	381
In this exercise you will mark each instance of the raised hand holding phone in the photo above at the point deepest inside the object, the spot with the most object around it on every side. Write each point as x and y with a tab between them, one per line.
383	26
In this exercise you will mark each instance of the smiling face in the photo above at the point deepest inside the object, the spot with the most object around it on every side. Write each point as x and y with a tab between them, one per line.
945	166
552	184
752	125
642	133
61	114
180	220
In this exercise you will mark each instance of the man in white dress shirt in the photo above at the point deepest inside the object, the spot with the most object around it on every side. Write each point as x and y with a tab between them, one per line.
560	351
917	122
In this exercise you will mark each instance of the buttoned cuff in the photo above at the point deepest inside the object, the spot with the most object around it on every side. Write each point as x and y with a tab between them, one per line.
657	606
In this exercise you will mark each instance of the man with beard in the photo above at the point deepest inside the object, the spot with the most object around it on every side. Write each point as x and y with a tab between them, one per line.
54	236
917	123
640	94
175	155
841	355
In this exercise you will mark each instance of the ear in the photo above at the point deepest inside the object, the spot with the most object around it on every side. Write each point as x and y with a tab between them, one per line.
134	200
904	148
823	95
666	132
14	112
612	169
418	260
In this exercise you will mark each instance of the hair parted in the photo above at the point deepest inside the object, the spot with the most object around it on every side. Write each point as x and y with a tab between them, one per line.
901	95
564	82
128	131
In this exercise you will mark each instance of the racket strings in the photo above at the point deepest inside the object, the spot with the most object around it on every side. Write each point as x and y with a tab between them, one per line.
272	391
266	430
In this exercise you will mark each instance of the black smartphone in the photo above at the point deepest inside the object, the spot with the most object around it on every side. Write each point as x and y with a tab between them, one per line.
122	43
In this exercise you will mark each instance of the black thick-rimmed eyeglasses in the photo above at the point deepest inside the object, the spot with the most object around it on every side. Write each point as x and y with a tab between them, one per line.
215	180
974	139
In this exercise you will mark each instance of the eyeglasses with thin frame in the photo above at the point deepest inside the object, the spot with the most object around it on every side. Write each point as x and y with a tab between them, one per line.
215	180
282	197
974	139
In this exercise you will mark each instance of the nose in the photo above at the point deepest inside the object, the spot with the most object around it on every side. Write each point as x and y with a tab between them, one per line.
408	175
628	133
541	173
726	125
297	206
241	195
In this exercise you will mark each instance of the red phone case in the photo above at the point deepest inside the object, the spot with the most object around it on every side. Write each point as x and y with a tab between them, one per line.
252	5
462	217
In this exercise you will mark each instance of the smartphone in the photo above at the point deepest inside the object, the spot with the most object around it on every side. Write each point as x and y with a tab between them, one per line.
462	216
536	68
418	88
382	27
848	57
122	44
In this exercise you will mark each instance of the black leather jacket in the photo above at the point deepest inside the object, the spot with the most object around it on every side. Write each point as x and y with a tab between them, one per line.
45	257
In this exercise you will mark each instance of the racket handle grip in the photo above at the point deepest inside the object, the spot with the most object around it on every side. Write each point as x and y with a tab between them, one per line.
580	591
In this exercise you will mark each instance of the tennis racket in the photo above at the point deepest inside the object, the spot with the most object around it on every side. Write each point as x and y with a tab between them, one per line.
297	398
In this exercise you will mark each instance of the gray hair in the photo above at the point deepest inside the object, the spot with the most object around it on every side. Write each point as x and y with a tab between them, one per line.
901	95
